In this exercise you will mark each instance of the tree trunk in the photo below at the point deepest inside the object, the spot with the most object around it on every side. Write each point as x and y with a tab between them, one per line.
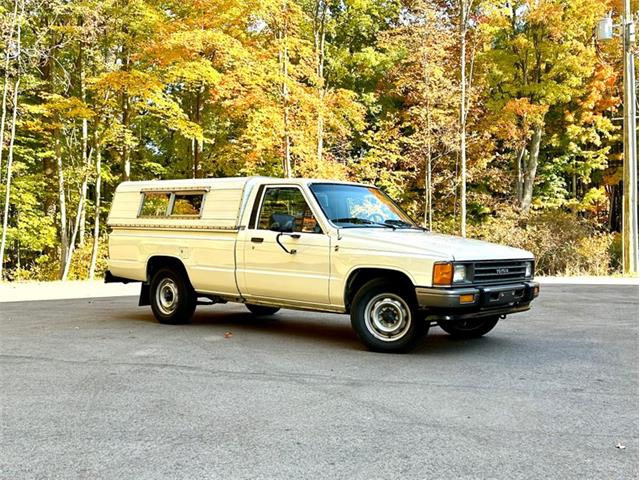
7	198
126	158
531	166
47	69
428	211
197	145
519	171
62	201
82	230
285	93
319	44
615	207
3	120
126	154
96	222
49	164
76	226
5	88
320	127
16	90
85	158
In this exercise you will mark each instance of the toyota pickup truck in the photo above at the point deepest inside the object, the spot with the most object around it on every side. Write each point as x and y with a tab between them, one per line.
321	245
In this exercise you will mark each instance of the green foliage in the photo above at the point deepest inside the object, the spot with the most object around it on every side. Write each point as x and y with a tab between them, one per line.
82	257
30	229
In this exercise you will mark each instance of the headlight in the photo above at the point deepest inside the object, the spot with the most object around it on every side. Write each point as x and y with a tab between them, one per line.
528	269
459	273
446	273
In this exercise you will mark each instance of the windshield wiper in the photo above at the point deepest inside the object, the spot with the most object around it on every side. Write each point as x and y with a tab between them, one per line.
403	224
361	221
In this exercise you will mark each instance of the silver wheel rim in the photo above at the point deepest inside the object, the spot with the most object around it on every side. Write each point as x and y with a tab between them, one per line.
387	317
167	296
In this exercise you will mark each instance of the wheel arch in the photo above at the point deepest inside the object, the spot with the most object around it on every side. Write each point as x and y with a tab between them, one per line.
361	275
155	263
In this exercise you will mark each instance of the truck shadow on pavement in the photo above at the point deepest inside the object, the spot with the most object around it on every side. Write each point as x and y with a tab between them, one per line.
439	343
330	330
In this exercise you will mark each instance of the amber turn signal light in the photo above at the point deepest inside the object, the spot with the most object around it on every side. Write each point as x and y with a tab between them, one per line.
468	298
442	274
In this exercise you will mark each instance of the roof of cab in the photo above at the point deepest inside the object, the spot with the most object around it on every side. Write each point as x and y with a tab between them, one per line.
227	182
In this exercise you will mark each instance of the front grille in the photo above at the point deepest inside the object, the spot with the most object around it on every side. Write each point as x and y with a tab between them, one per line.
498	271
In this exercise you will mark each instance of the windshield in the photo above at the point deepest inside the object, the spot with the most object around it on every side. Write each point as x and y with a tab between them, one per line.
352	206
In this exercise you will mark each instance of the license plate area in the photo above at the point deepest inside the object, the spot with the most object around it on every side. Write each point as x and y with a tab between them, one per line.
497	296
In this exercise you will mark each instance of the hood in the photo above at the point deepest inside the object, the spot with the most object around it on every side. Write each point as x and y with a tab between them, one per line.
436	245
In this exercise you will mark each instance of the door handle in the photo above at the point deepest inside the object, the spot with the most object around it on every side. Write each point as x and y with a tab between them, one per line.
257	239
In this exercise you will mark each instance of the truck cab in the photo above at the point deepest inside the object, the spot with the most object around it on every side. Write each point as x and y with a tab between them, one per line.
310	244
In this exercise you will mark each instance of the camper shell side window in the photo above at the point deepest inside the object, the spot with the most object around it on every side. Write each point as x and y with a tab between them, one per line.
181	204
187	204
154	204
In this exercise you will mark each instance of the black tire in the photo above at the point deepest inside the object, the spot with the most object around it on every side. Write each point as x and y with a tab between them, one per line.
180	299
261	310
469	328
385	318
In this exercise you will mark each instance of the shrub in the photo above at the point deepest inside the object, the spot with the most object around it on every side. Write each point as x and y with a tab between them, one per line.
562	243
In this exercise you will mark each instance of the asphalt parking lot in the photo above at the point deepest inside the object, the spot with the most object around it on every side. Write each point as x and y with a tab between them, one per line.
95	388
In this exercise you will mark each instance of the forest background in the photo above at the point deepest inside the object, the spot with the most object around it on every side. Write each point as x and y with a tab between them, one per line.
397	93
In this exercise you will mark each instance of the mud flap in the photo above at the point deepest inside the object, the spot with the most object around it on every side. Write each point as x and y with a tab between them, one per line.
144	295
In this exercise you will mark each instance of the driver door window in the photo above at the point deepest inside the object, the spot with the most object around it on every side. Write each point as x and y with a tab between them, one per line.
284	209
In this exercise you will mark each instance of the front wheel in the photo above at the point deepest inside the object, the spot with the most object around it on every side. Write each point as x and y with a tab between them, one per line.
172	297
469	328
384	317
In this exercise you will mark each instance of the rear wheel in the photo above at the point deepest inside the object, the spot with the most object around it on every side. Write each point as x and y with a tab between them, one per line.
172	297
469	328
384	317
261	310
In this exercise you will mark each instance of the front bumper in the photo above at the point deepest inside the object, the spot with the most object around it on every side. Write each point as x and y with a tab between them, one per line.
476	301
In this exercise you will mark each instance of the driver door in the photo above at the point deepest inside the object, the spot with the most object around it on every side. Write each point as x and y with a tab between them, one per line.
286	253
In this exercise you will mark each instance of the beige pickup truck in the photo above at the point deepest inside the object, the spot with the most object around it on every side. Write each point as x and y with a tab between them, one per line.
329	246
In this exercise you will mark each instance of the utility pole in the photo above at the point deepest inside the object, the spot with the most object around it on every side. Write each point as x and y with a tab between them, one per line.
630	179
463	116
630	253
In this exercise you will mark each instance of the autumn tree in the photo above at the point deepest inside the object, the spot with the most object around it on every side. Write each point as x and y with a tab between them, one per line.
423	80
541	58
